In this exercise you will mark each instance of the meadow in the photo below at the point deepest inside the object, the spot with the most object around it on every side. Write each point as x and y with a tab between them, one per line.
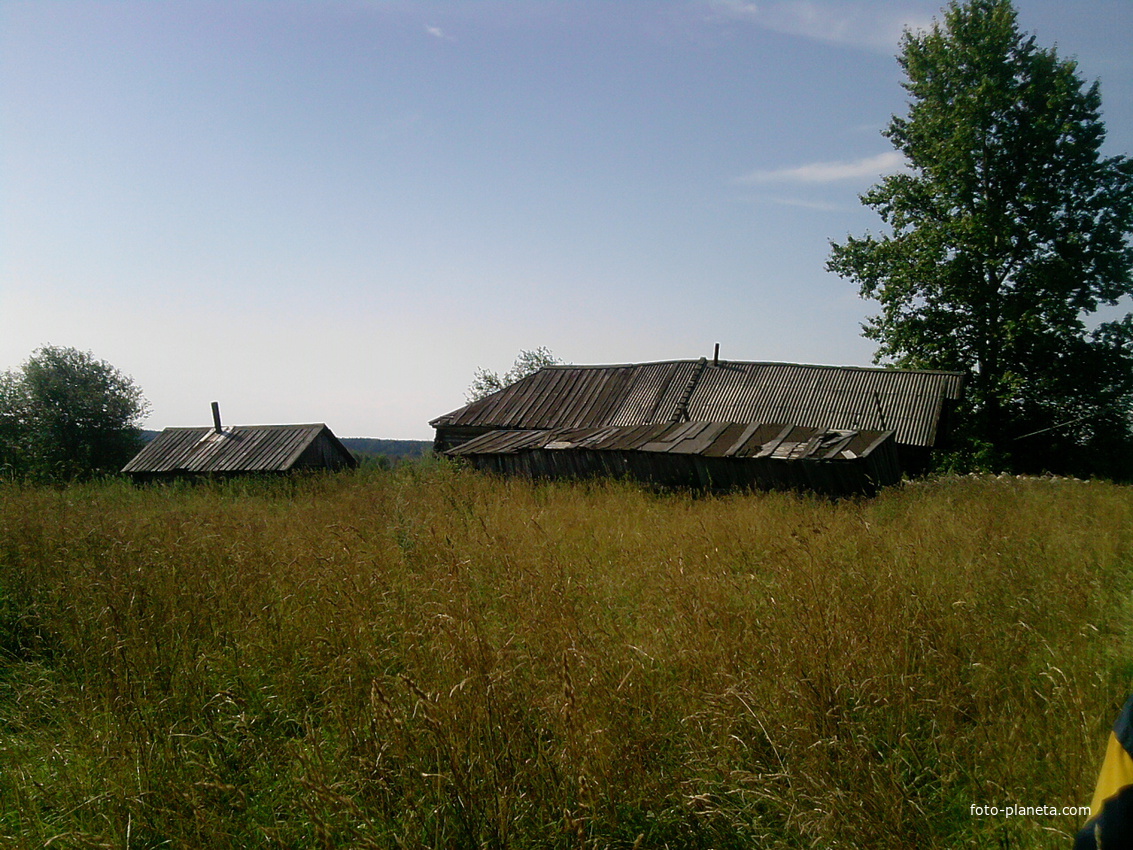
428	657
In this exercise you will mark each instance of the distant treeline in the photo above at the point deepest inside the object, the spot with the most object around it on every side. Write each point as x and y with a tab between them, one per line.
393	449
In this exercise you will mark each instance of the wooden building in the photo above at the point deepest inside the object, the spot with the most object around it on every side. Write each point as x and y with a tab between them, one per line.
244	449
913	407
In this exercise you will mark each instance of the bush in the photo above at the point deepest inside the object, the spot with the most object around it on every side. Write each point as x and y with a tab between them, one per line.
66	415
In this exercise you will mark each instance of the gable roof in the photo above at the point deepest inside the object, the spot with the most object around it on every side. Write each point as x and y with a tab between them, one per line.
246	448
908	402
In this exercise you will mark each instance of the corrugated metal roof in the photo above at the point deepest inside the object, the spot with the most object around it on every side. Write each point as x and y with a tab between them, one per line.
713	455
581	397
709	439
904	401
247	448
907	402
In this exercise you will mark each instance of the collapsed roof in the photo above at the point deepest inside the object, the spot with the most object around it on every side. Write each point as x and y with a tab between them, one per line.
909	403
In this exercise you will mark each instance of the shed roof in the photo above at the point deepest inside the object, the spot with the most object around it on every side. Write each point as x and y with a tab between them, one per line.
907	402
246	448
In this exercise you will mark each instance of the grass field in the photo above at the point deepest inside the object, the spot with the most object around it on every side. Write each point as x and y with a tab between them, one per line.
426	657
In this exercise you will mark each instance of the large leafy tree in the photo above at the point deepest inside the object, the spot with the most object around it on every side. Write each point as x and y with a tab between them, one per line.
64	414
1010	229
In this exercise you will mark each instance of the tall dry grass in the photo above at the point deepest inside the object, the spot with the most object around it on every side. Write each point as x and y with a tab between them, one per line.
431	658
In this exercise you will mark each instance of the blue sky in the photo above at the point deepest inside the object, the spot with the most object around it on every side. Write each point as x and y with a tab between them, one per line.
336	211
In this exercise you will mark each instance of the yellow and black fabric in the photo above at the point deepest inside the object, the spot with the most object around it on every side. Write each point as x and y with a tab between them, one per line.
1111	812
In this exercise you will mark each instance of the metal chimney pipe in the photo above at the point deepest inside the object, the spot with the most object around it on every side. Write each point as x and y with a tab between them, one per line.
716	355
216	417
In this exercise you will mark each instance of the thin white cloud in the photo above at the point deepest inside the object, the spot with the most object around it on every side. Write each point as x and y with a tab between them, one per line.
437	32
830	172
873	26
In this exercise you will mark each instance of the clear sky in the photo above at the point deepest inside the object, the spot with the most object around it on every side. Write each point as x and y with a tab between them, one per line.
336	211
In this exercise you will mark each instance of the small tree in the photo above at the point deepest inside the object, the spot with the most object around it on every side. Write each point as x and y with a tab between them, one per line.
484	383
1009	230
64	414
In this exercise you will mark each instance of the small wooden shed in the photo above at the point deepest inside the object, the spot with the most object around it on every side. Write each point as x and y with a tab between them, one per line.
243	449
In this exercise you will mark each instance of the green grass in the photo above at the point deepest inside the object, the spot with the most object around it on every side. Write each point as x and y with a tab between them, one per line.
426	657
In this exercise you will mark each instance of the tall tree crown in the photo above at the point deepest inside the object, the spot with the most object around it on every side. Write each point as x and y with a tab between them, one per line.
1009	229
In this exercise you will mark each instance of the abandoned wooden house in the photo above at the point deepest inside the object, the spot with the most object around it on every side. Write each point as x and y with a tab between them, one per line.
718	424
244	449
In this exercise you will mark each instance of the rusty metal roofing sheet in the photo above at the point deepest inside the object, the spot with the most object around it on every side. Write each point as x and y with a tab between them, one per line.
249	448
844	397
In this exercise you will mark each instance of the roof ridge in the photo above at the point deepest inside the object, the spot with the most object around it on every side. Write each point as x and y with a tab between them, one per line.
233	427
722	362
